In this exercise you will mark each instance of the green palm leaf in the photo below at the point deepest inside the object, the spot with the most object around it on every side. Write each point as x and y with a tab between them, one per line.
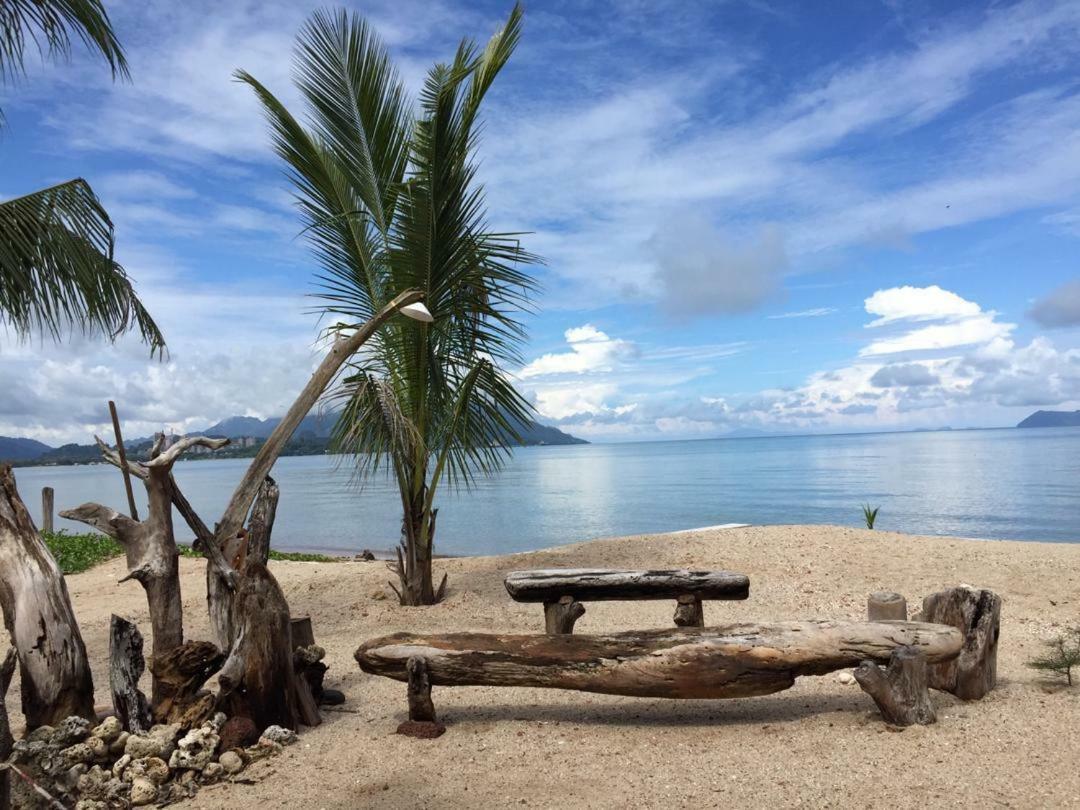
57	272
390	201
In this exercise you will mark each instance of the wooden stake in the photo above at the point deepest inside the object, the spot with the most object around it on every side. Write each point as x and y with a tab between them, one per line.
123	460
47	509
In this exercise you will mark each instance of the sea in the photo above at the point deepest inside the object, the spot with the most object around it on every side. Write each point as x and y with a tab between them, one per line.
1016	484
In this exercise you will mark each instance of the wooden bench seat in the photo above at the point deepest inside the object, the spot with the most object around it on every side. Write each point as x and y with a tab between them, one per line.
562	590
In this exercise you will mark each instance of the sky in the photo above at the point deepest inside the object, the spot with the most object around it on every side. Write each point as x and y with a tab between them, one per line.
754	216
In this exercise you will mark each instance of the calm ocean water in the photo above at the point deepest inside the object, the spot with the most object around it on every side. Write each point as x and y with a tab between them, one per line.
1009	484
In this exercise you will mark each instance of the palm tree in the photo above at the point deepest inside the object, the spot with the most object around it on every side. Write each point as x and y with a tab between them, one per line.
56	245
390	202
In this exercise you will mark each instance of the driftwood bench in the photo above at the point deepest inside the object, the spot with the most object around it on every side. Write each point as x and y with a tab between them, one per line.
562	590
732	661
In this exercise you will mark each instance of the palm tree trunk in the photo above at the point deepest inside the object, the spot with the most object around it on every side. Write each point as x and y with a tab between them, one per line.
414	572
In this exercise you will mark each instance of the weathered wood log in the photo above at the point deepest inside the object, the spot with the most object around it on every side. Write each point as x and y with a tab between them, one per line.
180	674
593	585
884	606
7	670
689	611
261	521
150	545
977	614
736	660
900	691
126	666
48	499
54	673
258	681
560	616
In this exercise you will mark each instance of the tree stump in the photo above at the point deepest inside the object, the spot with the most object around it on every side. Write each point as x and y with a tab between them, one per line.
302	633
180	674
886	606
689	611
258	679
559	617
54	673
900	691
422	722
977	614
126	666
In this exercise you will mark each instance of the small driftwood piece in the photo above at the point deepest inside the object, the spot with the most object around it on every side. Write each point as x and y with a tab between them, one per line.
560	616
126	666
180	674
731	661
258	679
150	545
883	606
900	690
422	722
7	670
594	585
54	673
977	614
689	611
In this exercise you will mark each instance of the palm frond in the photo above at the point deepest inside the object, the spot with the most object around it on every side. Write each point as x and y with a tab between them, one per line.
57	271
48	25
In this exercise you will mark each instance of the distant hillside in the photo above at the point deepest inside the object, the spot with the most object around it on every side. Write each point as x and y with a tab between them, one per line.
21	449
319	426
311	438
1052	419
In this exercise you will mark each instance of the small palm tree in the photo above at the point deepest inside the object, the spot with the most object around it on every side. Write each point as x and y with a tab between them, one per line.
56	246
870	514
390	203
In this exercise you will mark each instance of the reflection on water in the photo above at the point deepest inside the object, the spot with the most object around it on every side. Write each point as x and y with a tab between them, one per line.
1020	484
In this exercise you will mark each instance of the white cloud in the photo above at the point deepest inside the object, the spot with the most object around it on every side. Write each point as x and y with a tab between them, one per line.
592	351
918	304
966	332
816	312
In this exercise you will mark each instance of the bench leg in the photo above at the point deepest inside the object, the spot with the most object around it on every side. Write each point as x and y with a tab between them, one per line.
689	611
422	722
559	617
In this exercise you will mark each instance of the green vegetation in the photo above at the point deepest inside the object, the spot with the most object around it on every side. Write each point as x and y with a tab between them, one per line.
870	515
1062	654
75	553
57	271
390	202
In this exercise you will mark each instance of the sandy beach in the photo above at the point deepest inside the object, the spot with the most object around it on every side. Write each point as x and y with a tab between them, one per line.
818	744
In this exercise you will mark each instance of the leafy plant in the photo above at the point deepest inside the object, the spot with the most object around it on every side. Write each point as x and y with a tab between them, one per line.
870	515
57	270
1062	654
75	553
390	203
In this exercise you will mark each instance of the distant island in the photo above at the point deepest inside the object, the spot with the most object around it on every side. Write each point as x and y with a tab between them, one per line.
248	433
1052	419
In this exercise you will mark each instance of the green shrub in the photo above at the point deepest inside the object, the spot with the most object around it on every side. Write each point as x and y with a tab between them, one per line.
285	556
75	553
1062	654
870	515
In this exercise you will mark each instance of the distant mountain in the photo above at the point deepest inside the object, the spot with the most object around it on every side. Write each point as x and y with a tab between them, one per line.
1052	419
21	449
319	426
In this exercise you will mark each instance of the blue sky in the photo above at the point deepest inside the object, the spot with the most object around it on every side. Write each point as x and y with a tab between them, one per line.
755	215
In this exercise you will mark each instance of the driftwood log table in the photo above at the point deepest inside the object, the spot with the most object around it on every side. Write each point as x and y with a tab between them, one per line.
562	591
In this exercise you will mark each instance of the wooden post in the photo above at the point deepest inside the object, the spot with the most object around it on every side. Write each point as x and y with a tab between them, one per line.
886	606
47	498
900	691
422	722
302	634
689	611
559	617
126	666
123	461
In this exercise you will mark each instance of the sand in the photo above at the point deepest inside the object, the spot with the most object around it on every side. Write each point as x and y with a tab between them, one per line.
818	744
